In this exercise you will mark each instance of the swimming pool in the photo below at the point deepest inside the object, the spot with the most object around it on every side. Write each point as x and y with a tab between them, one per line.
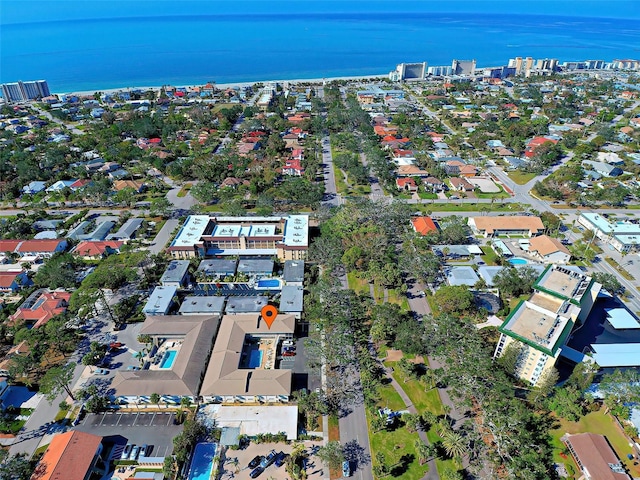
202	461
255	358
168	359
518	261
269	283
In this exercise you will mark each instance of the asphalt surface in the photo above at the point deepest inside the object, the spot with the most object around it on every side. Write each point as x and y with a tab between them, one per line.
164	235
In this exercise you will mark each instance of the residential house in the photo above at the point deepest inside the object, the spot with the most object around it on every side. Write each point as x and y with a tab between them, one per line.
293	167
602	168
461	184
468	171
71	455
137	186
549	250
60	185
506	225
411	171
434	184
93	250
33	187
44	248
611	158
534	143
12	281
452	167
127	231
9	246
406	184
40	307
423	225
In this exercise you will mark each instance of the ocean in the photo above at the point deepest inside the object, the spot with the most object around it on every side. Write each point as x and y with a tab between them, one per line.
177	49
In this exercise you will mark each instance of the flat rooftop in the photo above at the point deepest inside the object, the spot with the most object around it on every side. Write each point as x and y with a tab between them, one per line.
255	265
293	271
252	304
160	300
462	276
291	299
621	319
617	228
296	231
537	327
194	227
548	302
564	282
218	266
175	272
193	305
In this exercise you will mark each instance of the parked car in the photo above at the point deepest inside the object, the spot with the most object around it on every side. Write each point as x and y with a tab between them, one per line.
134	453
115	345
255	461
269	459
256	472
126	452
101	371
143	450
346	469
133	367
280	459
289	354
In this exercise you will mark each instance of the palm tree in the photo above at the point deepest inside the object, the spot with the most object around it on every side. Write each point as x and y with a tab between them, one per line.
454	444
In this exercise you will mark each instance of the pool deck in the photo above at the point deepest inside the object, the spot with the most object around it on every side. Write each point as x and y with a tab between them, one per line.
169	345
268	348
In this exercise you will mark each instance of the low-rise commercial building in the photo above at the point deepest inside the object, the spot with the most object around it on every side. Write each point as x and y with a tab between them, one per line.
70	456
515	225
595	457
622	235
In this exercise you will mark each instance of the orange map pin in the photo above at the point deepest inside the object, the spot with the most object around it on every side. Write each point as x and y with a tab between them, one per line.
269	313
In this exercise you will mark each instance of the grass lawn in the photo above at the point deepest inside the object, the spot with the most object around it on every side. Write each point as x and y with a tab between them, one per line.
334	428
341	186
399	299
619	269
489	256
427	195
378	293
184	190
398	445
358	285
521	177
602	424
428	401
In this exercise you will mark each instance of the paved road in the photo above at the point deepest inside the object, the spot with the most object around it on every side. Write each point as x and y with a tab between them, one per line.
353	426
331	197
164	235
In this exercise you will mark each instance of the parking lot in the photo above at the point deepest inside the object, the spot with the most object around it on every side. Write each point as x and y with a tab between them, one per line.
152	428
234	463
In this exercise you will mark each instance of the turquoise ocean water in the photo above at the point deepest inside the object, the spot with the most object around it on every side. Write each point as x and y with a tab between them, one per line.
178	49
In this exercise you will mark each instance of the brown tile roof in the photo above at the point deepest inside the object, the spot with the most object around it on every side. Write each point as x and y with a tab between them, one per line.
9	245
7	278
515	222
223	376
546	245
95	249
49	304
595	454
122	184
69	457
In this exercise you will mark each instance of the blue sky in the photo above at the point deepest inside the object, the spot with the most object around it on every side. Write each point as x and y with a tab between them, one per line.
16	11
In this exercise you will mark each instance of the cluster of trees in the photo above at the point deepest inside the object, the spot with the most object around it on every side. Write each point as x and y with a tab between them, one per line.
192	433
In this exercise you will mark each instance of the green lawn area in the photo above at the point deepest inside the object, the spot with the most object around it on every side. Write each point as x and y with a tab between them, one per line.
358	285
602	424
500	194
397	443
399	299
341	186
184	190
520	177
619	269
489	256
427	195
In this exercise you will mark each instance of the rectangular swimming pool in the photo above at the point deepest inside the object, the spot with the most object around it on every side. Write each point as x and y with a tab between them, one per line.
202	461
269	283
255	358
168	359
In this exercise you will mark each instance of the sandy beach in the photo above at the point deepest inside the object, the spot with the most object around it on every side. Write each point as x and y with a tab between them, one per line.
225	85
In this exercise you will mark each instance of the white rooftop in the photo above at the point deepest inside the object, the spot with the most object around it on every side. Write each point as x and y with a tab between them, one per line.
617	354
620	318
253	420
191	231
296	231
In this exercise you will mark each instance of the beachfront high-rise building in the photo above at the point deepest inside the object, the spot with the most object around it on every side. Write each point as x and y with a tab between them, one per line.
463	67
23	91
440	71
409	71
540	326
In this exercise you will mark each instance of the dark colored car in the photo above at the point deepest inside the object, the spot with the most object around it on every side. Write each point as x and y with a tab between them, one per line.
255	461
256	472
269	459
281	459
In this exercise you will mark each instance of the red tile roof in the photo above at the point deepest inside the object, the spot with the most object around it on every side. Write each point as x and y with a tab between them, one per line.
9	245
40	245
404	182
7	278
49	304
423	225
69	457
95	249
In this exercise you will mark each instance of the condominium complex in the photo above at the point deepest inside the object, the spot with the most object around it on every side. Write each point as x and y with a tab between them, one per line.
285	237
23	91
624	236
542	324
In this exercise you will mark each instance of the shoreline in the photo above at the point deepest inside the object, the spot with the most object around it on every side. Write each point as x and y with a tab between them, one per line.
224	85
